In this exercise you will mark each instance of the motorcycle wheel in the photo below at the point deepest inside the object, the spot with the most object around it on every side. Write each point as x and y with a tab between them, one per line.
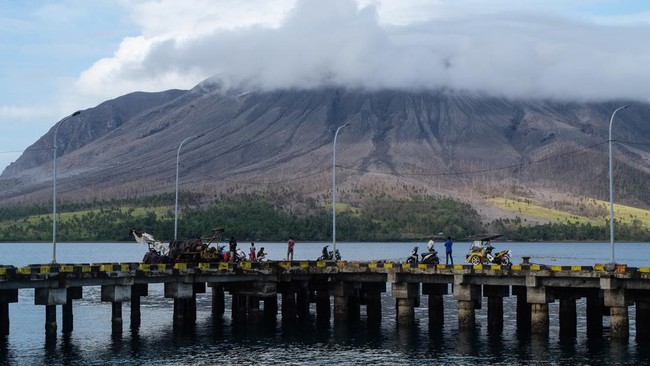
321	258
505	260
476	260
410	261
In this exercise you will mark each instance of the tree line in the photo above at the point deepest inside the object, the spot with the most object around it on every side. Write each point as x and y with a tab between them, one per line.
250	217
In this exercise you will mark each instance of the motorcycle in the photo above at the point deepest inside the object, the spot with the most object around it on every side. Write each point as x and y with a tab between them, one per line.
430	257
241	256
328	256
484	255
413	258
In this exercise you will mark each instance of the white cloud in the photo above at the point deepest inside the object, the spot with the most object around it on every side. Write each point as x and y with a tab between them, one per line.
497	48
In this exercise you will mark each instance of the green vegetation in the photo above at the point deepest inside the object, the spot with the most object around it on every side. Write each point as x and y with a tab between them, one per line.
251	217
594	212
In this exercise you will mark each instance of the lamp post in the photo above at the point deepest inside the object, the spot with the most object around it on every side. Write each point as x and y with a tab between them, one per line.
56	131
611	186
334	191
178	153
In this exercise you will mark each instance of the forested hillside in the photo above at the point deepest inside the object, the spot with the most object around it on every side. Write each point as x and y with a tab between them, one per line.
256	218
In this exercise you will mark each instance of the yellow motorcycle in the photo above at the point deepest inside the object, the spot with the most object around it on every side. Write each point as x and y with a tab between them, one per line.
481	252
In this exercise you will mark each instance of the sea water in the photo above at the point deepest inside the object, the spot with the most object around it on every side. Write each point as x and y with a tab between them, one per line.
217	340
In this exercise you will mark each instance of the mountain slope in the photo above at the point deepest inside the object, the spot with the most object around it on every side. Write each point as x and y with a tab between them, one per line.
398	143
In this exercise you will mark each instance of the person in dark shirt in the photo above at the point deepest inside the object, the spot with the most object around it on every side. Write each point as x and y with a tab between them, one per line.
448	245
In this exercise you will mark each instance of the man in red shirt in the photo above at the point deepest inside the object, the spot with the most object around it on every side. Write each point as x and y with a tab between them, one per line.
290	245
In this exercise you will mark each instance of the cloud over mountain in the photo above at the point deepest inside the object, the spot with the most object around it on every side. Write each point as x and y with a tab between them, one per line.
518	53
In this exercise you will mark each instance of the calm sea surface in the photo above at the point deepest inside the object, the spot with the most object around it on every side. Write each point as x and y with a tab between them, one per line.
218	341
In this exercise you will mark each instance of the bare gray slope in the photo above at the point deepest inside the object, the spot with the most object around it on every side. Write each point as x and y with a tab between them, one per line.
439	140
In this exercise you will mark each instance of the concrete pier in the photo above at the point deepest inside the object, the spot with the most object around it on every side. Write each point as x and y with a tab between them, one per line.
341	290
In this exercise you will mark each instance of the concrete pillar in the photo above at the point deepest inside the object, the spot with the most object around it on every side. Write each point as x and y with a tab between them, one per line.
4	319
340	309
184	302
436	308
370	295
6	297
642	320
116	294
466	315
302	302
523	309
184	312
116	317
73	293
495	314
241	307
620	322
354	307
323	311
617	300
218	300
288	306
67	318
467	295
405	311
495	295
342	291
539	297
594	315
568	317
235	308
50	297
137	291
271	307
539	321
50	322
253	308
179	290
136	317
406	294
373	307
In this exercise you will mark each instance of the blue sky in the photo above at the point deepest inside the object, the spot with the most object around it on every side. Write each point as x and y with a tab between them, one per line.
68	55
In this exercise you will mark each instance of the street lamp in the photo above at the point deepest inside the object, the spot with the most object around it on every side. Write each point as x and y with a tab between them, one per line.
334	191
178	153
611	185
56	131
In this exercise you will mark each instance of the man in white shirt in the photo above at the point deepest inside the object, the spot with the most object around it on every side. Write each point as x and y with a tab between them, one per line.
430	244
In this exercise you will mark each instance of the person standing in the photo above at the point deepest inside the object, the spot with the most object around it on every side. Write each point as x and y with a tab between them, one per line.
233	248
430	244
448	245
252	253
290	245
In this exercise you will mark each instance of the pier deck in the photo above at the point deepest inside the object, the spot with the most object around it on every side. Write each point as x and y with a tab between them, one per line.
608	291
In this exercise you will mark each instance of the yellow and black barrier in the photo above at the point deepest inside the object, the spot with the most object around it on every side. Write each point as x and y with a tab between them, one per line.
52	269
7	271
